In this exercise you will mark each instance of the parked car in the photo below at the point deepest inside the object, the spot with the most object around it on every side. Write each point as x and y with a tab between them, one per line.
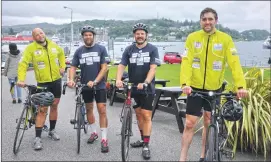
172	57
68	61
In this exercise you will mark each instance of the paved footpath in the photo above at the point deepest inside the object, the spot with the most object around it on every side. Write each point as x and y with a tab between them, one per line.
165	140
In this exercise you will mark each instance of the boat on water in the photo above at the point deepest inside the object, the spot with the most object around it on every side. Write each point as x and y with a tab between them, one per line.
55	39
267	43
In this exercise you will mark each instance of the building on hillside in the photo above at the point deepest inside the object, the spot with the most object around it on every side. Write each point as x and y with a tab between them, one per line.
171	38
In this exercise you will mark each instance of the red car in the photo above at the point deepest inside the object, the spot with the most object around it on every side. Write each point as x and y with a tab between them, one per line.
172	57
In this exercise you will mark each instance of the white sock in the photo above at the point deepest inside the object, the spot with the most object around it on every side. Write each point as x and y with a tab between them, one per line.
93	128
104	133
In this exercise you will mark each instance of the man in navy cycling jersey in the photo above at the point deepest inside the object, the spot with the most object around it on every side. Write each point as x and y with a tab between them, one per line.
93	60
142	59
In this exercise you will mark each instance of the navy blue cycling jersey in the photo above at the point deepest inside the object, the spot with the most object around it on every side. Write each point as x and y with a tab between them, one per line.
90	60
139	61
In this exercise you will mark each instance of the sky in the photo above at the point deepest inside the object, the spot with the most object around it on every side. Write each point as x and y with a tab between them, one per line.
238	15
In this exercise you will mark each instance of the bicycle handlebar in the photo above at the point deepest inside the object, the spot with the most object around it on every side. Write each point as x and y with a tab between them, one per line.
212	94
79	85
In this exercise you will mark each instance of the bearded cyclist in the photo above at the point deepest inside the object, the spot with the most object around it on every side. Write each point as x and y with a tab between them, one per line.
142	59
204	62
93	60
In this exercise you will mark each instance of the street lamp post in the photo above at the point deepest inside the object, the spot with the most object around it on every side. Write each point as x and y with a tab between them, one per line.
71	26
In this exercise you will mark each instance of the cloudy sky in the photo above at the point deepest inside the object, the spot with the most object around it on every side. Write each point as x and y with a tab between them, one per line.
239	15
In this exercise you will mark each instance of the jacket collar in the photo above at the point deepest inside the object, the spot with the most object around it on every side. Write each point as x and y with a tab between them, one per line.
208	34
40	46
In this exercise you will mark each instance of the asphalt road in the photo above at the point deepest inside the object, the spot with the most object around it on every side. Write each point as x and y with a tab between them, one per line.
165	140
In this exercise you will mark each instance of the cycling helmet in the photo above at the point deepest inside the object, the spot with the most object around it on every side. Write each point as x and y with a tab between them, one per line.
43	98
88	29
232	110
140	26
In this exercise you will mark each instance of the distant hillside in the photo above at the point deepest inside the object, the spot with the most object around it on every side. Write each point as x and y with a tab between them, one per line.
159	28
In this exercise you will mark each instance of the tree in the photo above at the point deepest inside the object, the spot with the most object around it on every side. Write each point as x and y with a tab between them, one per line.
11	31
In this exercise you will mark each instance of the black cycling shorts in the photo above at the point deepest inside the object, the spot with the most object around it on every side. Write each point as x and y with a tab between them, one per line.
142	101
88	96
54	87
194	105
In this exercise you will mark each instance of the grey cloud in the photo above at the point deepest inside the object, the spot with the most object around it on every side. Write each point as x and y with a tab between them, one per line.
238	15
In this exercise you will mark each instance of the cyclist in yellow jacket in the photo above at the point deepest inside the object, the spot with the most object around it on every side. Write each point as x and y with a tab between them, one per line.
49	65
204	62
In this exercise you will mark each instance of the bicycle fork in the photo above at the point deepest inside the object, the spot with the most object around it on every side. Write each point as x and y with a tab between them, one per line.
83	113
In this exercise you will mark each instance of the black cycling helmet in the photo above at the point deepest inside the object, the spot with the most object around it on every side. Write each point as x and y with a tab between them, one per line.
140	26
43	98
88	29
232	110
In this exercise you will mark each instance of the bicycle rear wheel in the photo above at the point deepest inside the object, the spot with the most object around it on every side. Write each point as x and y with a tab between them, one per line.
78	123
126	130
210	145
22	125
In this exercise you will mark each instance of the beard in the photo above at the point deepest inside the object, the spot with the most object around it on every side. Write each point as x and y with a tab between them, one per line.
89	43
41	41
140	42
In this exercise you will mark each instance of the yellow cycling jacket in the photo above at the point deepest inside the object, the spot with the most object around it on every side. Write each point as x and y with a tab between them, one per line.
46	61
204	61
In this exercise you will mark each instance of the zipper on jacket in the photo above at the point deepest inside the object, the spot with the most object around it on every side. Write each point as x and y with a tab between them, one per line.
49	63
206	62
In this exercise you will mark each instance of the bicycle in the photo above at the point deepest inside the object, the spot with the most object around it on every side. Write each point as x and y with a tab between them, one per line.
77	79
28	116
217	131
126	119
80	115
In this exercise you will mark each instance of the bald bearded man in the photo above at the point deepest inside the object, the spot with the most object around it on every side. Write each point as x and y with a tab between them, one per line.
49	65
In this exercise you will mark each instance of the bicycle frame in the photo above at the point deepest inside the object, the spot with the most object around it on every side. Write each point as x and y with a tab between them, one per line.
126	119
214	123
27	117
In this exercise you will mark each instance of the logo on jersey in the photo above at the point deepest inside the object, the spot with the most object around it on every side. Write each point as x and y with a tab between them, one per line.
38	52
197	45
218	47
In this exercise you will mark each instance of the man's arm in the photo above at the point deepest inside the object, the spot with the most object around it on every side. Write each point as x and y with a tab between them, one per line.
124	62
235	66
120	71
186	66
6	66
61	58
72	73
23	64
154	62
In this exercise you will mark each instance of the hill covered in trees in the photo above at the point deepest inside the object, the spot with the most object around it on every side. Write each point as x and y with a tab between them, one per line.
159	28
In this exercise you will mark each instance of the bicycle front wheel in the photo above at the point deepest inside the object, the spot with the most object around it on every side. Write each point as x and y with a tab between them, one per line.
79	124
210	145
126	130
21	127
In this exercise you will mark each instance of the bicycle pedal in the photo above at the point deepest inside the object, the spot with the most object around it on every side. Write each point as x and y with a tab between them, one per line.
72	121
228	154
131	134
45	128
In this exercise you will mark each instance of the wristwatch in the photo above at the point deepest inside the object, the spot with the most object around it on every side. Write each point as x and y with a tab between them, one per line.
146	82
95	82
